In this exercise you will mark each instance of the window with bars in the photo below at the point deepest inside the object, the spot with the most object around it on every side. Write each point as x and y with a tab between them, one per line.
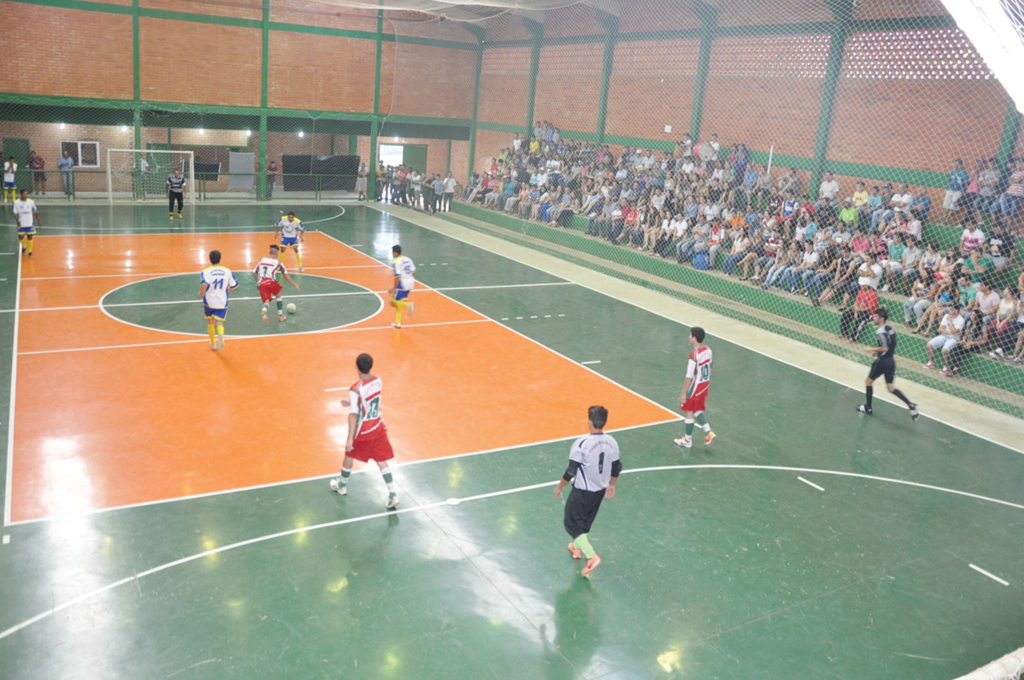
930	54
771	56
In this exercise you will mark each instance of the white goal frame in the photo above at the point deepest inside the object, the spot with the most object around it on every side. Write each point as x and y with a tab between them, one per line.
190	174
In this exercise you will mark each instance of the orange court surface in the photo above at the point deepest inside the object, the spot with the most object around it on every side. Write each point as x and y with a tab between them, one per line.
111	414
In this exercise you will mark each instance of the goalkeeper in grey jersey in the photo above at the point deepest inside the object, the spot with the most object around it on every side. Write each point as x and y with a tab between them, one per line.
593	470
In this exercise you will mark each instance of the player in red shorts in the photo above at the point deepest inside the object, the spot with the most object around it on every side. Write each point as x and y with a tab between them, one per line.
265	273
695	389
367	434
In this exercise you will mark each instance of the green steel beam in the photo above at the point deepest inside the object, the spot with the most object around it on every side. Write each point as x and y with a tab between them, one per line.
136	58
261	185
531	95
1011	130
476	104
371	183
610	23
448	161
842	12
499	127
708	16
353	145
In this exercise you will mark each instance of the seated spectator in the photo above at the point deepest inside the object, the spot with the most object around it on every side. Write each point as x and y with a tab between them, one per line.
615	221
1002	250
921	298
823	275
770	250
874	202
956	184
921	206
784	261
828	192
950	329
718	238
942	301
1006	207
790	183
986	302
846	268
860	243
804	270
1006	325
740	244
860	199
978	264
849	215
853	320
894	263
869	273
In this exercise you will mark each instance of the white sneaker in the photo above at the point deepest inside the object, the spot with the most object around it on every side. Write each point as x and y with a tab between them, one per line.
340	489
684	442
397	325
220	343
885	288
301	270
412	309
392	502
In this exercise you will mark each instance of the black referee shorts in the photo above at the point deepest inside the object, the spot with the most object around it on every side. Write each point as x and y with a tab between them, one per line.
883	366
581	510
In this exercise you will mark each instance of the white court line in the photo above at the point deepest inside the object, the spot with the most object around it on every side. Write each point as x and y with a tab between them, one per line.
9	484
454	503
587	363
991	576
509	285
736	343
340	329
189	272
7	539
675	416
106	230
811	484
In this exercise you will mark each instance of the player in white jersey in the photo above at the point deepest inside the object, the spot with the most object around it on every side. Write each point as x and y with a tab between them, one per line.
367	434
594	468
27	214
292	234
10	177
695	388
405	280
265	274
215	284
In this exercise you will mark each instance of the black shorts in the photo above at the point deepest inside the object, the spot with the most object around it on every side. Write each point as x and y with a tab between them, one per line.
581	510
884	366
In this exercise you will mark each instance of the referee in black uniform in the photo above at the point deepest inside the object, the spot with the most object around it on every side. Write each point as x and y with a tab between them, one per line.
885	363
175	192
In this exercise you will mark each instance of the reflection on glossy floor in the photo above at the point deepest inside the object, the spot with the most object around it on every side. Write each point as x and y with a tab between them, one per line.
708	572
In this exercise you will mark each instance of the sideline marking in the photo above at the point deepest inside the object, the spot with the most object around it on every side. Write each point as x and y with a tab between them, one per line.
991	576
458	501
160	274
9	484
856	387
7	539
137	230
587	363
811	484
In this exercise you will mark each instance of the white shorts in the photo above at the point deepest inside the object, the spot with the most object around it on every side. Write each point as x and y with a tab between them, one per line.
894	265
945	342
949	202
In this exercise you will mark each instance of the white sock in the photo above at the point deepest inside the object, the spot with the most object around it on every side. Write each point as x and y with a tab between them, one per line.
707	427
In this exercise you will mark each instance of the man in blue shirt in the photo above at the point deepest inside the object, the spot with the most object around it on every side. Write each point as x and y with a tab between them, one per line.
921	205
958	181
66	163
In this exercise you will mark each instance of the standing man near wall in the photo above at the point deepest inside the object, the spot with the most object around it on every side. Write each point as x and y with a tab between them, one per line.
38	166
66	165
449	193
272	171
10	183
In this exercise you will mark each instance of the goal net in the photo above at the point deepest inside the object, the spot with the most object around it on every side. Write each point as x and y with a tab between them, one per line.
138	175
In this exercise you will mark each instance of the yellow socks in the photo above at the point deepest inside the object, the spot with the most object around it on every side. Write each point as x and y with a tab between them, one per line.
213	338
298	257
399	306
29	246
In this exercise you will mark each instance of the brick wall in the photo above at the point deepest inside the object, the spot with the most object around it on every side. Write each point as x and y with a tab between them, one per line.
421	80
239	9
229	72
746	13
506	26
652	86
313	13
569	86
571	21
656	15
321	73
488	145
504	84
67	67
421	25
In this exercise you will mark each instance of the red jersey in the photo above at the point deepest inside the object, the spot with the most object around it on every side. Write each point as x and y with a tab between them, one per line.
364	401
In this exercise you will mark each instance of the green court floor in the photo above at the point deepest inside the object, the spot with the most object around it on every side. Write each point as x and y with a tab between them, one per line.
718	562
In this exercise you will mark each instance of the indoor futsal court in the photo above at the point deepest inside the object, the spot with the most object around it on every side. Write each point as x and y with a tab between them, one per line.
167	510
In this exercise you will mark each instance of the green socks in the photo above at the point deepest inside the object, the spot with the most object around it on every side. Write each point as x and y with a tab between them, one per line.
581	542
388	479
280	308
703	421
345	472
689	427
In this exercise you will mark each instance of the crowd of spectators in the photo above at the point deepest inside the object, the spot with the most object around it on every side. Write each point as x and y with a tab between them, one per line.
712	208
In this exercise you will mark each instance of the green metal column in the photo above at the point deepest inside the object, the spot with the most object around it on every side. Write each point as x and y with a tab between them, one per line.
476	109
538	38
137	125
611	29
708	16
1011	130
261	185
842	27
353	145
448	161
371	184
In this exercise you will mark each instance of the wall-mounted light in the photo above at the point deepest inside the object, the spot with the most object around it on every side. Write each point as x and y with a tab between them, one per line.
62	126
248	133
202	131
301	134
124	128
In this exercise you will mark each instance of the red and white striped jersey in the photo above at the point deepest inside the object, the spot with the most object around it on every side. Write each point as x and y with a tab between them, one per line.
364	401
699	369
268	268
